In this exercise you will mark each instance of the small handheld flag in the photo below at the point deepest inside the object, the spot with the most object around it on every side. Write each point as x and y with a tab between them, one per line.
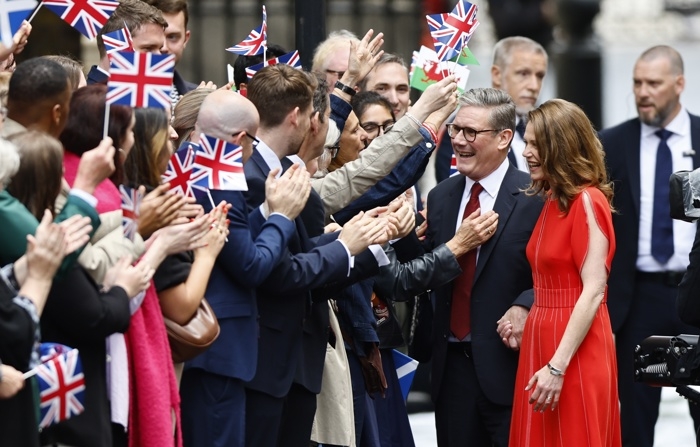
218	165
180	168
452	31
256	42
140	79
453	166
86	16
131	204
12	14
61	384
405	371
119	40
291	59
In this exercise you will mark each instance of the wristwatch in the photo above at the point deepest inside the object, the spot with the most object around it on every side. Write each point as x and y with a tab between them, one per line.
345	88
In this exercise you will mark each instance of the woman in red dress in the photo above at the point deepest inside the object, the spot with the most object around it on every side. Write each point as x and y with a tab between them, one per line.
566	386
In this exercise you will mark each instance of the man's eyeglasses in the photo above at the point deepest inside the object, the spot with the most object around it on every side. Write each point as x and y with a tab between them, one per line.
337	73
333	150
468	133
373	129
252	137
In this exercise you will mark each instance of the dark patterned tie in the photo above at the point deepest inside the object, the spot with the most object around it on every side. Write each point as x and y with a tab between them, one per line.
520	128
662	225
460	316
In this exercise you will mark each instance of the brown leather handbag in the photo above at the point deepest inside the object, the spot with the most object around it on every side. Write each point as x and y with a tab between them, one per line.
191	339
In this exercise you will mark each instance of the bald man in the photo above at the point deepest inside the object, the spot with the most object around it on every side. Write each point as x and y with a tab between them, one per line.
213	397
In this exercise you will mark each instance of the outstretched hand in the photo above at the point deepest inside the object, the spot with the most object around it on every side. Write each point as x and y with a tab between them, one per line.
363	57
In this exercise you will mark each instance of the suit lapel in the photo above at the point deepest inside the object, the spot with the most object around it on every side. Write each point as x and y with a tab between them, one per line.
259	161
503	206
633	160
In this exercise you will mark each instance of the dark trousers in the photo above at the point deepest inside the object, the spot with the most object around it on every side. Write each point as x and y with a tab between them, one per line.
653	312
213	410
297	417
463	414
366	430
263	419
392	417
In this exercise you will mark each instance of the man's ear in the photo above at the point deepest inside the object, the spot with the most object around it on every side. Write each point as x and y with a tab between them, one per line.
495	76
238	138
293	117
505	137
315	122
56	114
187	39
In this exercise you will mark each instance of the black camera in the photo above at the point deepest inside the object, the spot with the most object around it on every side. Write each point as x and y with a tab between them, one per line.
669	361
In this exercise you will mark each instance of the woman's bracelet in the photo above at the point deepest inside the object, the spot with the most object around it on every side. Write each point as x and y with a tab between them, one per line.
555	371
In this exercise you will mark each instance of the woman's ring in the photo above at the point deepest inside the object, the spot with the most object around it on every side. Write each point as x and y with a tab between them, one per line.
549	399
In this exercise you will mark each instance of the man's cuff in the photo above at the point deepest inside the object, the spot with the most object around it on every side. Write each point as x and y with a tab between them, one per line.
351	258
280	214
379	255
88	198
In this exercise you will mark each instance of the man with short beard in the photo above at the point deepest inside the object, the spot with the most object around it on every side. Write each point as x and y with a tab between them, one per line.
653	249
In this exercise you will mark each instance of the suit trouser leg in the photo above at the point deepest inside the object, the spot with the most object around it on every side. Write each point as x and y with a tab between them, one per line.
297	417
653	312
463	414
366	430
263	418
213	410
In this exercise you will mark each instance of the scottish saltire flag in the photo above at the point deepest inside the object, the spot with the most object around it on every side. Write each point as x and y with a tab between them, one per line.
61	384
140	79
291	59
87	16
180	168
255	43
451	31
131	203
119	40
453	166
218	165
405	371
12	14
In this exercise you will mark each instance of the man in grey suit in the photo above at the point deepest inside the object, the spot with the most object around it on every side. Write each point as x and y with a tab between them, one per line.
652	250
473	364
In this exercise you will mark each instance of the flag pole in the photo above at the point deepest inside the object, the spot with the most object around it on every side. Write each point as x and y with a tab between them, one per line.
105	130
35	12
211	200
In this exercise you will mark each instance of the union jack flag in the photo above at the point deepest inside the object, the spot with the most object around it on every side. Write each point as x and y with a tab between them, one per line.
140	79
87	16
255	43
452	31
131	203
218	165
453	166
119	40
180	168
291	59
61	384
12	14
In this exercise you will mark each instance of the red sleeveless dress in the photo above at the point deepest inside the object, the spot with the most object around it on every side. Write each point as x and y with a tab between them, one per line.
588	413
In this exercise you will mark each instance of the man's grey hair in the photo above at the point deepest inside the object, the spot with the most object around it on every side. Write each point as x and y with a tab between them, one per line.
501	105
9	162
666	52
504	49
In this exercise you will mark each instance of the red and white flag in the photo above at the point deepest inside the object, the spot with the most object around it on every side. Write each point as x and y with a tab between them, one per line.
255	43
131	204
179	169
218	165
119	40
291	59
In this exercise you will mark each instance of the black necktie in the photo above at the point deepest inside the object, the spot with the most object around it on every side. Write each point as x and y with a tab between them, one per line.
520	128
662	225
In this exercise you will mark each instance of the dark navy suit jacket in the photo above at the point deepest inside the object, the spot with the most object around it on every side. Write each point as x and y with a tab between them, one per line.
621	144
254	248
503	278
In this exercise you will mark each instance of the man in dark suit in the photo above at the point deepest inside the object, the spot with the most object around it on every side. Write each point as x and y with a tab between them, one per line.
652	250
283	97
213	397
473	366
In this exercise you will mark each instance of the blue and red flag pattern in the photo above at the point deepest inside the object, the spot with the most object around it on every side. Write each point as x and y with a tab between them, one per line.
180	168
87	16
140	79
255	43
218	165
61	384
453	166
452	31
131	204
292	59
119	40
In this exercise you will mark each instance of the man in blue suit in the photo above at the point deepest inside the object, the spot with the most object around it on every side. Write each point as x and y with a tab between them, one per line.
213	397
283	97
652	250
474	366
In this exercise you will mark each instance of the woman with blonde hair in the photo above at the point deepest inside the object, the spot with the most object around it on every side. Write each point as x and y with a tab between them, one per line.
567	372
